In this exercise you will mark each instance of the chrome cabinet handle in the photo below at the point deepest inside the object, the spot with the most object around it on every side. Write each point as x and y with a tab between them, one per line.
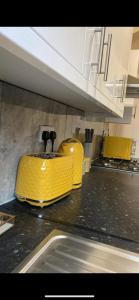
96	63
107	56
124	85
101	53
101	50
123	88
135	110
123	82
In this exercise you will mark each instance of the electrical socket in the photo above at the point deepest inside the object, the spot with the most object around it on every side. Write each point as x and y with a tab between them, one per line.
44	128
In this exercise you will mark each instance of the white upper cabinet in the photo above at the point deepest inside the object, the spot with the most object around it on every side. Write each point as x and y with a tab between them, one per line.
107	62
68	42
121	44
133	64
119	58
80	66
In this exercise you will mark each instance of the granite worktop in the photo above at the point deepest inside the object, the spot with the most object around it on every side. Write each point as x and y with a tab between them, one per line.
105	209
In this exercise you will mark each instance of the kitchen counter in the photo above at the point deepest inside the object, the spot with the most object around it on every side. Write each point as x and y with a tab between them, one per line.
105	209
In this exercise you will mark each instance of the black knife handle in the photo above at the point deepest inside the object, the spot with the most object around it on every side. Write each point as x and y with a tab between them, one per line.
89	135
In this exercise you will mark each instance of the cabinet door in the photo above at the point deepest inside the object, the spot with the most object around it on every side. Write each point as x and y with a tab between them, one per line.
133	63
121	44
100	61
119	58
66	41
121	38
110	79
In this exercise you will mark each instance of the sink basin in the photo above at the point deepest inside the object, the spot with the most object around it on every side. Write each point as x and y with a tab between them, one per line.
61	252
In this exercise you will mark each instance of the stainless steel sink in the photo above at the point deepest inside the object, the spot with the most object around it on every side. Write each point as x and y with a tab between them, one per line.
62	252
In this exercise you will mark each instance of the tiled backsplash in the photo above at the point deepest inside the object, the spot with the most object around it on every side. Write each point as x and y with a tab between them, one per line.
21	113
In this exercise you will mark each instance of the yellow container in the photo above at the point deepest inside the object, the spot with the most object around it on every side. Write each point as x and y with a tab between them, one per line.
72	147
117	147
42	181
87	164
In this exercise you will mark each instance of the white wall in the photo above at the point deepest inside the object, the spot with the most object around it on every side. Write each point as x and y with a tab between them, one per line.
128	130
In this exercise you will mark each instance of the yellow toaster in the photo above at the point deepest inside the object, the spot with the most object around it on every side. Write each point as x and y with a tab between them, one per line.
44	178
73	148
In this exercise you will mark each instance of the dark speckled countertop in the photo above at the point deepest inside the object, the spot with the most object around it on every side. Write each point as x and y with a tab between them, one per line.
105	209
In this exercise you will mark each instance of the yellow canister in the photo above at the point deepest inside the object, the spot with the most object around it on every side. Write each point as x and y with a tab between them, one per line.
87	164
74	148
